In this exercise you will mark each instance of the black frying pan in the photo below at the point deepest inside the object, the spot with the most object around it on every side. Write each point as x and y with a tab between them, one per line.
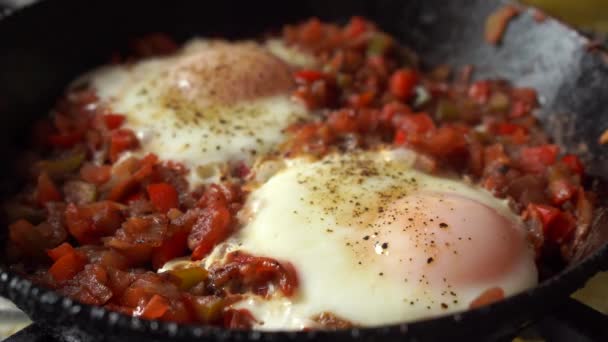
45	46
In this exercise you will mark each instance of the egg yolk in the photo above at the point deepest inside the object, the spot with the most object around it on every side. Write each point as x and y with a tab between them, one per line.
444	238
224	74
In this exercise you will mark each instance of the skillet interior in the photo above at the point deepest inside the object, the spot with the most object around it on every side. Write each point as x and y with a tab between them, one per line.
47	45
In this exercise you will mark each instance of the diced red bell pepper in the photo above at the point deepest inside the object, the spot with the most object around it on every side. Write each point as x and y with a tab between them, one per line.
400	138
524	100
113	121
343	121
574	164
60	251
557	225
96	174
480	91
163	196
546	213
171	248
65	140
46	191
536	159
361	100
156	307
122	140
212	227
88	223
67	266
561	190
355	27
505	128
402	83
312	30
489	296
418	123
308	76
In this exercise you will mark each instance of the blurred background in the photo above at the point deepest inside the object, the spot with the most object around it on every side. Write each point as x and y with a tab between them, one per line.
588	15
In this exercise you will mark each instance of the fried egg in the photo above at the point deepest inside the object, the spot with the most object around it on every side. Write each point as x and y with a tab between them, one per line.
211	103
375	241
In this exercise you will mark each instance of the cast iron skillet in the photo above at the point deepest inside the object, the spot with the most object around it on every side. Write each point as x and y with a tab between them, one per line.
46	45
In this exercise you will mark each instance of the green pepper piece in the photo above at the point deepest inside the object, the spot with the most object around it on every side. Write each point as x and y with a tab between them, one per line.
447	110
498	102
16	211
189	277
379	44
344	80
59	167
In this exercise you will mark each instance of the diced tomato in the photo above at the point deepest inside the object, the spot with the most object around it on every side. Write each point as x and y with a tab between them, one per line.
211	227
156	307
480	91
135	197
524	100
561	190
547	214
46	191
445	141
113	121
66	140
257	271
96	174
489	296
418	123
392	110
402	83
67	266
574	164
343	121
400	138
355	27
361	100
536	159
171	248
506	128
308	76
88	223
121	140
163	196
311	31
527	95
60	251
145	168
557	225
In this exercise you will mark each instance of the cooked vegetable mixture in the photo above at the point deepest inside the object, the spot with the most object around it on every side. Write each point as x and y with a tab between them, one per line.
95	223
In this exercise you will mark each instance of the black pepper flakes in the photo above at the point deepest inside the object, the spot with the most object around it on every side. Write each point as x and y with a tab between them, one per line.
443	225
429	260
385	245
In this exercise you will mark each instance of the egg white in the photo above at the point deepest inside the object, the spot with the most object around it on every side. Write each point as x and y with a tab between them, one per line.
316	214
201	137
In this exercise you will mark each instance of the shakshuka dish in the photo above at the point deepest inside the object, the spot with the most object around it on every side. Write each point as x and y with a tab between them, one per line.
315	179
